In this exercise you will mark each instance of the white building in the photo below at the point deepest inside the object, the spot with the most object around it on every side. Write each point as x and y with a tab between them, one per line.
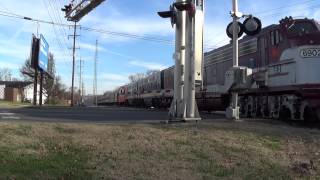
19	91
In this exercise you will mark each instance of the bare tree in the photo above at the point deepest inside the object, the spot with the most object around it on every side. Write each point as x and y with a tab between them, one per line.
27	71
136	77
151	72
5	74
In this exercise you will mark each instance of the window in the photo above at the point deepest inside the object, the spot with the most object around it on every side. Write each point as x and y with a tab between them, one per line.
275	37
272	38
301	28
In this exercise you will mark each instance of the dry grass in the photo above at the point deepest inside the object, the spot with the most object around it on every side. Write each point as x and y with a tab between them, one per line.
8	104
184	151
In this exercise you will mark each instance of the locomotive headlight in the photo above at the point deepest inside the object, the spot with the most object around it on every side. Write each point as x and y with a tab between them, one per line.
230	30
252	26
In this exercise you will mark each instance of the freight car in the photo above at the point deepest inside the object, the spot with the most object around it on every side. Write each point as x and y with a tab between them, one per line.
282	73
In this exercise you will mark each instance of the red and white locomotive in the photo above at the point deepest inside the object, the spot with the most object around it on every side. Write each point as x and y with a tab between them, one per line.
282	75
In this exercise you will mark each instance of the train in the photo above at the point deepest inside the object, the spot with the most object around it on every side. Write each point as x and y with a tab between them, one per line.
282	77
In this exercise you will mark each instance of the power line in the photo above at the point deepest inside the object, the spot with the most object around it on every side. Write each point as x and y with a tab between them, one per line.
57	35
284	7
58	18
54	28
281	13
127	35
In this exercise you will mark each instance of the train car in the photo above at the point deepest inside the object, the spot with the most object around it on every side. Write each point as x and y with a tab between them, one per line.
285	80
122	95
151	89
167	85
132	94
108	98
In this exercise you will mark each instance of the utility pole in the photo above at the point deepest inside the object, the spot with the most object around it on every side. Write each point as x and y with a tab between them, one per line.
74	12
73	62
80	80
95	75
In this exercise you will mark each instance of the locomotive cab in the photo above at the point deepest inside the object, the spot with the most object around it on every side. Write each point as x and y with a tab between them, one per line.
301	32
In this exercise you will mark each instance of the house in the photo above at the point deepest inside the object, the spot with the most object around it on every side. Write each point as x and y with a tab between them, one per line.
19	91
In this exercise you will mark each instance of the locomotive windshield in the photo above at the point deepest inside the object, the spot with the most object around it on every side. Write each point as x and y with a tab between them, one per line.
301	28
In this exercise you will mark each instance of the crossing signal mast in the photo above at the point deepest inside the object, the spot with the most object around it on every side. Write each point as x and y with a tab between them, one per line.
75	11
188	18
251	26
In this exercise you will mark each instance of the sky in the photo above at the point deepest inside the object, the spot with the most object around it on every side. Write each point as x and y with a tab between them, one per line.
118	57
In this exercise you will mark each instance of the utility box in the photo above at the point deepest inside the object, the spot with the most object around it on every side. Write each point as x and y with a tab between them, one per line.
233	112
238	78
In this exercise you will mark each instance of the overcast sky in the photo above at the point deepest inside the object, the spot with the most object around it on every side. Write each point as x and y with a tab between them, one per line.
119	57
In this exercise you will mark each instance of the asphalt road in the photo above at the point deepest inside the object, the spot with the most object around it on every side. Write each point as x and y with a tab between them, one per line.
90	114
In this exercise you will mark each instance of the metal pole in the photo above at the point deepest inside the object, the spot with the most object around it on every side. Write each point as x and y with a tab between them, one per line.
35	84
235	53
177	108
35	81
41	84
194	54
73	62
188	78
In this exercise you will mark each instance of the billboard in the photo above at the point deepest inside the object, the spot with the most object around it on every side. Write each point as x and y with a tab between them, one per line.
43	58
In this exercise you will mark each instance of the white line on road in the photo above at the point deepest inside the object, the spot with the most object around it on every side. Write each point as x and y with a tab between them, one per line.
7	114
10	117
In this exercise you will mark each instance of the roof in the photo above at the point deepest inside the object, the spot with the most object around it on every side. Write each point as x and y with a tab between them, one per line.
15	84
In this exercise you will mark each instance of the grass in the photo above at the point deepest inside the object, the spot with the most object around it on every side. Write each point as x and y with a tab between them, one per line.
12	104
184	151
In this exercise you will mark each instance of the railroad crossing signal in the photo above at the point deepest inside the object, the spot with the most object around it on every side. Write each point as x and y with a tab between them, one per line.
172	14
188	16
251	26
74	12
235	29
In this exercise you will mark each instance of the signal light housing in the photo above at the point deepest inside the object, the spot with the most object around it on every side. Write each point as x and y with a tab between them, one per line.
165	14
229	30
252	26
169	14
